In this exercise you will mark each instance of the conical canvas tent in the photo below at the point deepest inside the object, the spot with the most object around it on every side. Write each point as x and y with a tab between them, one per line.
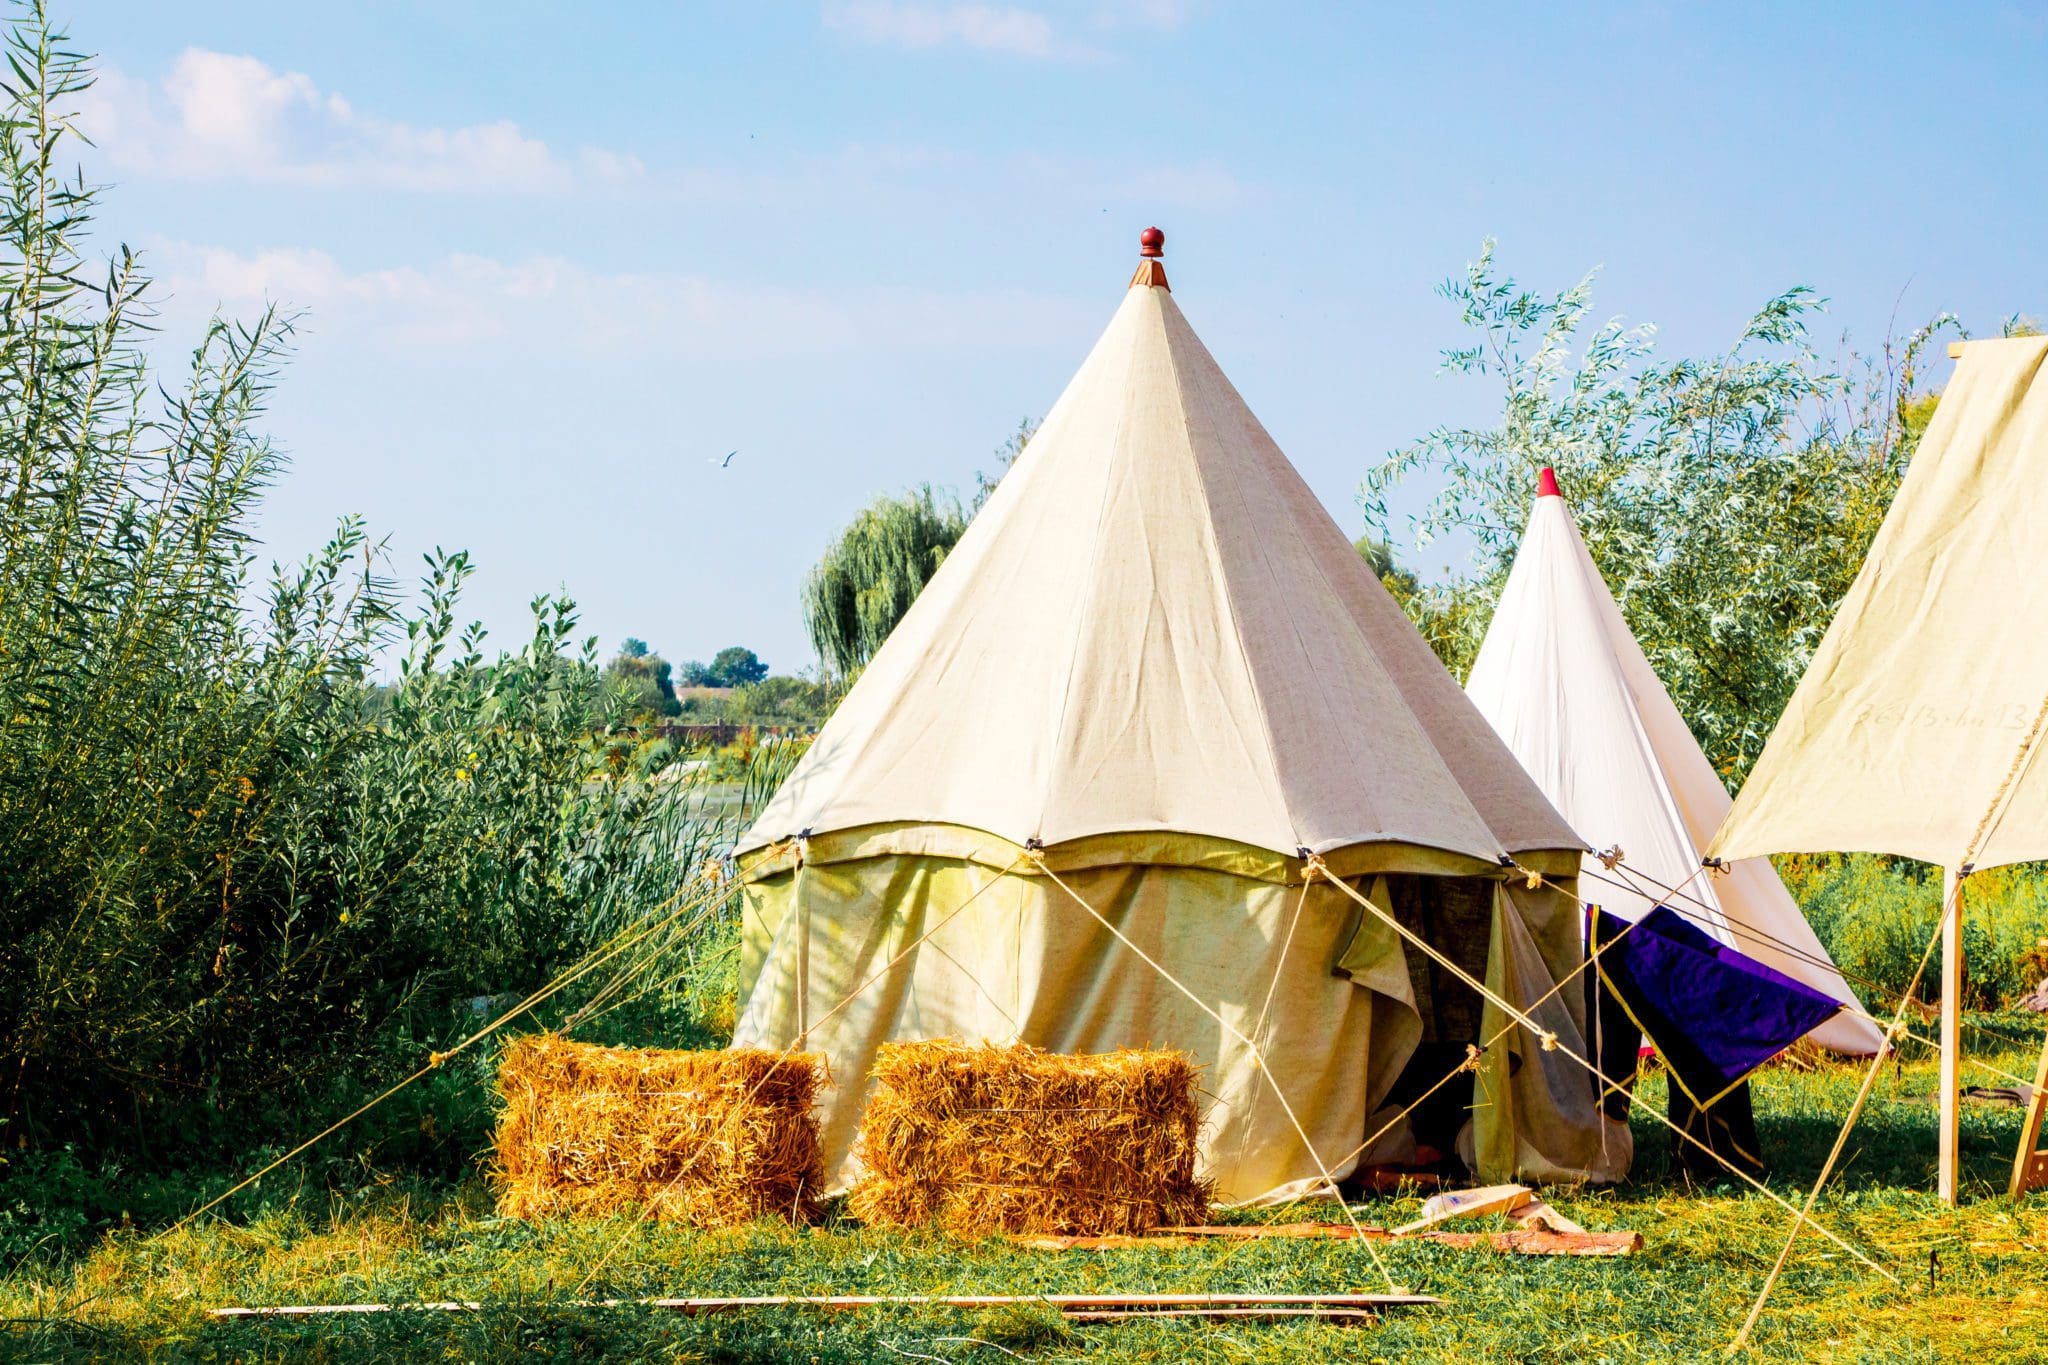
1151	682
1568	688
1917	728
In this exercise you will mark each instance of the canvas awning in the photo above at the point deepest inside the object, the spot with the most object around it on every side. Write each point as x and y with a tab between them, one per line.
1916	730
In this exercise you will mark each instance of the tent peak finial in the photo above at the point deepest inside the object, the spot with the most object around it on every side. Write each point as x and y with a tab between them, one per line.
1546	483
1151	274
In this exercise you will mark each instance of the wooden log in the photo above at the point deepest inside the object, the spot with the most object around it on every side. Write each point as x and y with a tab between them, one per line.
1114	1241
1337	1232
1339	1317
1544	1242
1535	1240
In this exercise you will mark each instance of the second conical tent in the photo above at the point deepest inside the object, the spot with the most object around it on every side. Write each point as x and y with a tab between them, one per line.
1568	688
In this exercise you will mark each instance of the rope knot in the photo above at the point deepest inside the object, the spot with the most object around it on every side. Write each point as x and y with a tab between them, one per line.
436	1058
1610	857
1548	1040
1532	880
1472	1055
1313	866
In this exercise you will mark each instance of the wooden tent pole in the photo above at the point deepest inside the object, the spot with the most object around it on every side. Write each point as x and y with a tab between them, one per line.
1951	1031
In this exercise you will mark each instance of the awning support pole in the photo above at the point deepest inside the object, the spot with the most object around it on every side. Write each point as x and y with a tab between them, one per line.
1951	1032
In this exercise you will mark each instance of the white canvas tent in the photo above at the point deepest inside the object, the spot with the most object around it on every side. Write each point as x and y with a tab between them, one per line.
1917	727
1569	690
1156	664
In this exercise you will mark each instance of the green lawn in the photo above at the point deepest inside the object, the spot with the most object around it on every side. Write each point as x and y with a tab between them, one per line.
1707	1252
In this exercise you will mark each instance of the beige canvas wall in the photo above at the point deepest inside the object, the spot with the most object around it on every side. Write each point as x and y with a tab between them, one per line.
1012	957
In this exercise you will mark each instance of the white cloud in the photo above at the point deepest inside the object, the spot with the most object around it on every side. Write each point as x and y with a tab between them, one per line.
219	116
465	299
1006	29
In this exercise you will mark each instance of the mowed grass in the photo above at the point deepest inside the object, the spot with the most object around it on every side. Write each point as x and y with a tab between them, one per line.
1972	1282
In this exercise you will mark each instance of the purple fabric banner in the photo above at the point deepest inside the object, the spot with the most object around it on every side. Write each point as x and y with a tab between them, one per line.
1713	1013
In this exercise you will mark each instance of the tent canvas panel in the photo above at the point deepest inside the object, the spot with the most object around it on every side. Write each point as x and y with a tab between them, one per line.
1914	729
1011	957
1154	625
1155	661
1566	685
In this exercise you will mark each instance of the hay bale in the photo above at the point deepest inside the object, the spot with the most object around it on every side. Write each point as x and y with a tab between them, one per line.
1015	1139
712	1138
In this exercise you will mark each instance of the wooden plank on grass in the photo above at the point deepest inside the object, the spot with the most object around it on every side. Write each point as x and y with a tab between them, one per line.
1128	1304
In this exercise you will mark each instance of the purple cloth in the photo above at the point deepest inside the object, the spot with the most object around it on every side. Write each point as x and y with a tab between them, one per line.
1713	1013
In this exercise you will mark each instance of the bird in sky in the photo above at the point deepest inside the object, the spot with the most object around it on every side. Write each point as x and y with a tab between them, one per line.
724	462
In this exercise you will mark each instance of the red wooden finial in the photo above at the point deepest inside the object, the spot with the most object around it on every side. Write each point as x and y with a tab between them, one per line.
1152	243
1546	483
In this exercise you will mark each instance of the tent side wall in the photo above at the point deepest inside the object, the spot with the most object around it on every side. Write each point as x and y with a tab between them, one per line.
1006	955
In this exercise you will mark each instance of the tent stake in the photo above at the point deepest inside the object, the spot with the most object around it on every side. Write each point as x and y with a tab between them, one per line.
1951	1032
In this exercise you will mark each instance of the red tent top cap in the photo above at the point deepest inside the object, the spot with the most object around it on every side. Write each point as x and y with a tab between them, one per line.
1546	483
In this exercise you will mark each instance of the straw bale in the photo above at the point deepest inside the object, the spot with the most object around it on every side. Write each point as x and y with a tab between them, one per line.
1015	1139
712	1138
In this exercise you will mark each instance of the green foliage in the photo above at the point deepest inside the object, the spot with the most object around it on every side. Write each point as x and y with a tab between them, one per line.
736	666
782	700
643	679
1681	1298
242	883
1728	501
1875	916
733	666
873	571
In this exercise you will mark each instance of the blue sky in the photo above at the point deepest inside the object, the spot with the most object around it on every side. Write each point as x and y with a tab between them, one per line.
555	260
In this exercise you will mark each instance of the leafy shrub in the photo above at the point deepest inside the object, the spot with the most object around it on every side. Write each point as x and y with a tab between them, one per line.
1875	915
243	883
1728	500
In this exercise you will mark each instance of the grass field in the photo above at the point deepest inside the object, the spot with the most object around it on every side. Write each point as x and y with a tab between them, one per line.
1682	1298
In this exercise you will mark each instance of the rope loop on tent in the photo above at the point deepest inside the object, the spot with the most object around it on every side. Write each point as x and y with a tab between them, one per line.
1610	857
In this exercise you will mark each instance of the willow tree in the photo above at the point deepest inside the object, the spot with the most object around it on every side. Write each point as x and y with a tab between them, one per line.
1727	500
873	570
